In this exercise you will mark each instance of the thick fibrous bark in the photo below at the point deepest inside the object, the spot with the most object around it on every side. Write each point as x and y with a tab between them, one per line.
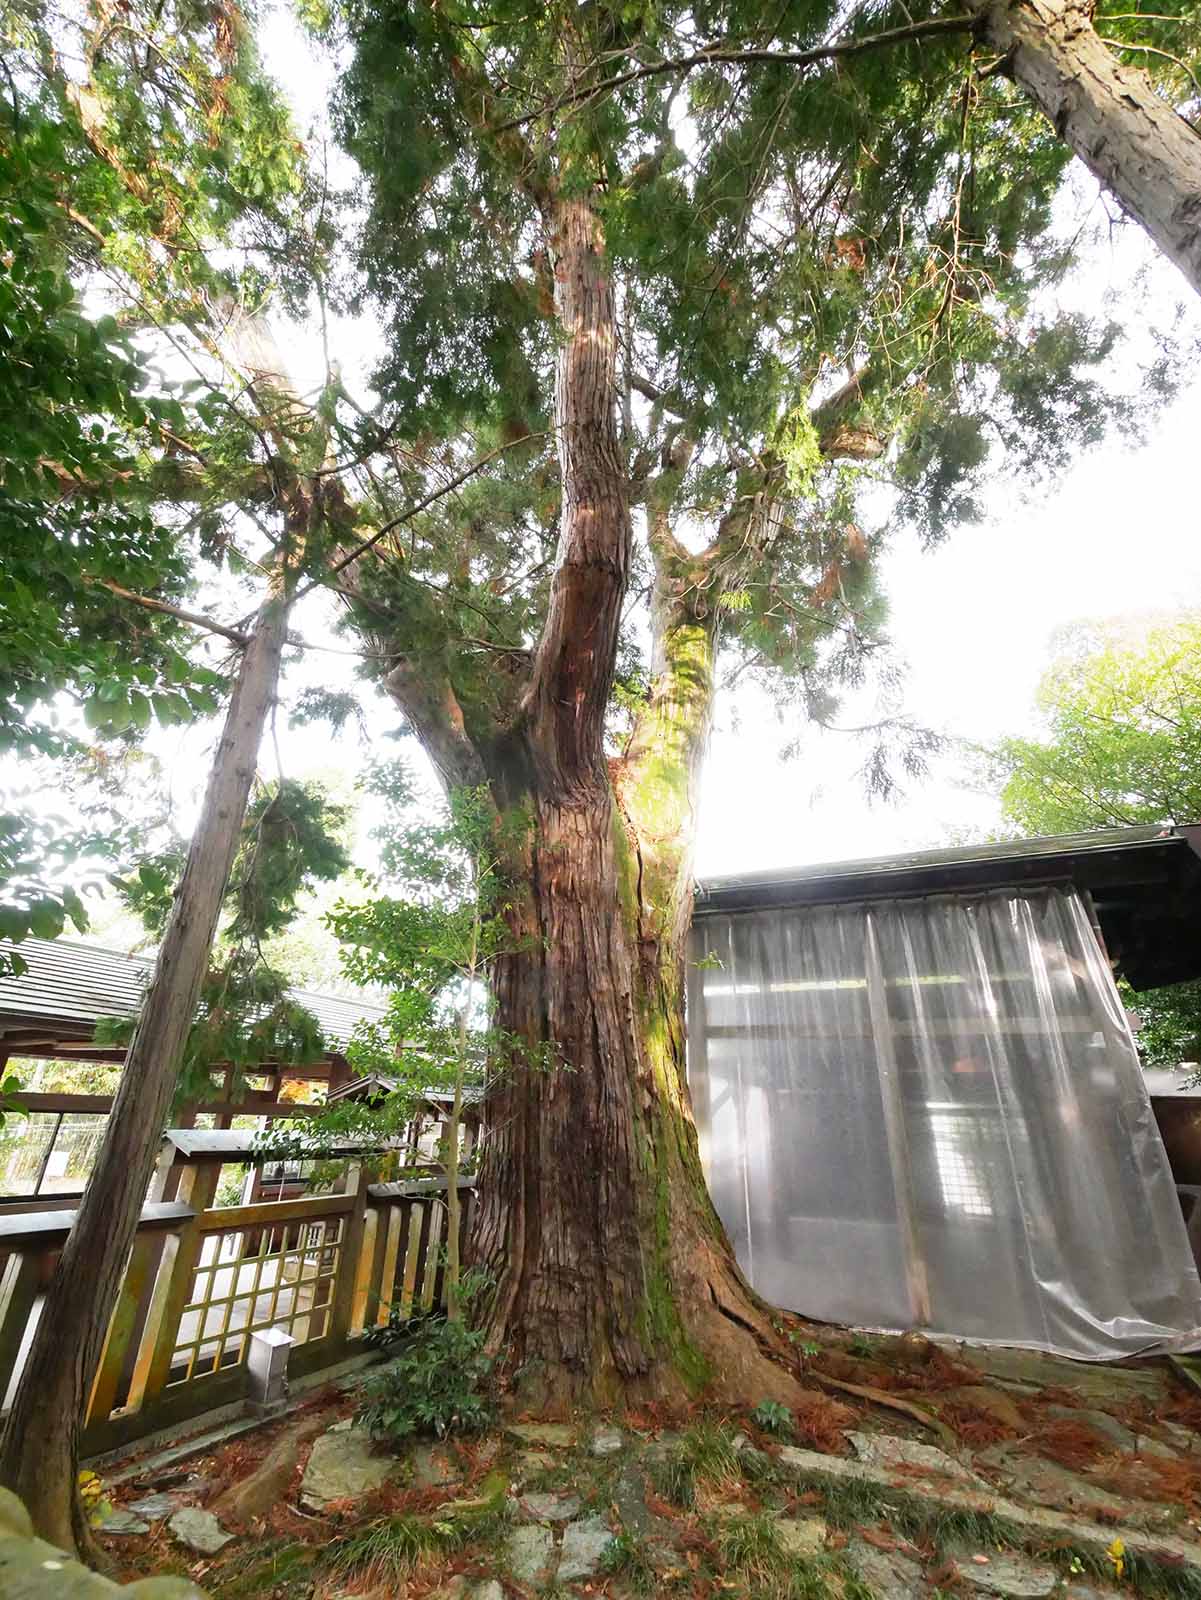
612	1277
1146	155
39	1450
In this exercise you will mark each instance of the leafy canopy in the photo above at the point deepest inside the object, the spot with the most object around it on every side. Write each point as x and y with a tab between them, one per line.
1122	707
292	838
772	234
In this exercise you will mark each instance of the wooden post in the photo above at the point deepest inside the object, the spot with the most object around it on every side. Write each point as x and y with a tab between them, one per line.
173	1284
418	1216
348	1255
18	1293
364	1271
433	1263
387	1279
147	1251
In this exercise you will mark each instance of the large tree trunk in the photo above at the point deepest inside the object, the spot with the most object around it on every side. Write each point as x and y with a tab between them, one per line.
1134	143
613	1281
39	1451
613	1277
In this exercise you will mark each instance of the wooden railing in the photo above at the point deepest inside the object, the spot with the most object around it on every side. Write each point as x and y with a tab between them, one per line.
202	1279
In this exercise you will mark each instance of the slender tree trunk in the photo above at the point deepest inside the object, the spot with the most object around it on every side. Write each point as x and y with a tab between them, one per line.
1133	142
39	1451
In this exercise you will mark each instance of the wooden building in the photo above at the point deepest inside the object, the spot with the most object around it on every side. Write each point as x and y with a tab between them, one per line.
50	1013
918	1096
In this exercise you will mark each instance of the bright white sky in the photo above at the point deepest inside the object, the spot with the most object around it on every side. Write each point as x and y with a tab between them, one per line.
974	619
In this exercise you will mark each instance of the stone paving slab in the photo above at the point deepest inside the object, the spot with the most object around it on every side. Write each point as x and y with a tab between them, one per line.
1035	1369
1005	1572
885	1451
1038	1523
344	1465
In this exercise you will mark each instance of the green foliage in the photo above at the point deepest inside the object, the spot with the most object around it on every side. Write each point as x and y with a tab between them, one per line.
773	1417
769	233
626	1557
704	1453
73	418
1122	708
751	1551
1123	742
437	1384
1169	1033
291	839
430	940
388	1550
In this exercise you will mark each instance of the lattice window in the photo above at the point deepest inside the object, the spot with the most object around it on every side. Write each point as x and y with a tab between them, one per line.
959	1142
280	1276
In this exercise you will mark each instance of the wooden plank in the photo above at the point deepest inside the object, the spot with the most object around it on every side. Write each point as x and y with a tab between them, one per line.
18	1293
433	1252
393	1233
100	1104
364	1279
418	1221
276	1213
414	1186
178	1405
348	1255
48	1230
122	1327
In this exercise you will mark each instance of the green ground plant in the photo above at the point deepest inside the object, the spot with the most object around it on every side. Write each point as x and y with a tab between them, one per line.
628	1559
436	1383
703	1454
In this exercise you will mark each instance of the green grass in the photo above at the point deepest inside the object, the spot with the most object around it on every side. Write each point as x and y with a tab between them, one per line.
626	1558
390	1548
705	1454
750	1549
754	1561
257	1573
851	1503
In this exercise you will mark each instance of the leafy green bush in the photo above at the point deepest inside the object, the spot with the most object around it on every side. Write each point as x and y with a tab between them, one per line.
772	1417
437	1382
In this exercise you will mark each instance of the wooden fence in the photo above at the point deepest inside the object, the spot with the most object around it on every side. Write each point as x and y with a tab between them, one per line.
201	1279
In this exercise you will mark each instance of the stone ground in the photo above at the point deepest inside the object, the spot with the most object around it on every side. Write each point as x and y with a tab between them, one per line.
916	1473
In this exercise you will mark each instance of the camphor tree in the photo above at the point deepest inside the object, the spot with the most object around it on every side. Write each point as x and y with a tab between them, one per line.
1122	706
702	312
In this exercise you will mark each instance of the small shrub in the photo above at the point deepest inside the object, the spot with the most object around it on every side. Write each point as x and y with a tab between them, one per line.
806	1347
436	1382
773	1417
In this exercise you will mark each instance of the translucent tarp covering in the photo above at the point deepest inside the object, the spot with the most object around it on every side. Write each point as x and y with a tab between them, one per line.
929	1113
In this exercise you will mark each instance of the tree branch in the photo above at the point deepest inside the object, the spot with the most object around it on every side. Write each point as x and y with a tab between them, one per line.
194	618
714	54
412	511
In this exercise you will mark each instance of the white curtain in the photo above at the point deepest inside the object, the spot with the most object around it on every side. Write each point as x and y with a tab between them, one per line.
929	1113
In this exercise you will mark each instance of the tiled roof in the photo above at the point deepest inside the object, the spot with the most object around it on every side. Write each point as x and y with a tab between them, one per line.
69	981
